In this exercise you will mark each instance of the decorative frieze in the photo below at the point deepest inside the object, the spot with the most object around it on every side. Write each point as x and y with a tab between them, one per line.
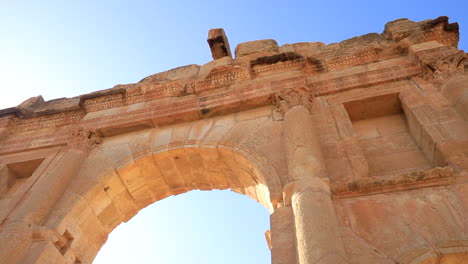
363	79
103	102
219	78
375	185
45	121
361	57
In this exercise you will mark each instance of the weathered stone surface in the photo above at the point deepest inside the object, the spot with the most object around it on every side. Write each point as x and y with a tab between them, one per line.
219	44
258	46
359	149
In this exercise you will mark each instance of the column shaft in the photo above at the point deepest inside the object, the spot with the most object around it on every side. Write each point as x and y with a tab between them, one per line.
317	236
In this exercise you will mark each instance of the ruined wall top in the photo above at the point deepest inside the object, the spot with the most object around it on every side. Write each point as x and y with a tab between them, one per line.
259	70
395	40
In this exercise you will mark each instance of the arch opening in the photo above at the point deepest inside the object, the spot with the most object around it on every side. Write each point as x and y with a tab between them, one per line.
116	182
195	227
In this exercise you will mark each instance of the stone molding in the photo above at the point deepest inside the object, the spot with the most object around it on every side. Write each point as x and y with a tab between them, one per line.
329	69
376	185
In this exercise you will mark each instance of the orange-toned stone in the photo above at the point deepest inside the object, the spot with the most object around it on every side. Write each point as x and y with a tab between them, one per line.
358	149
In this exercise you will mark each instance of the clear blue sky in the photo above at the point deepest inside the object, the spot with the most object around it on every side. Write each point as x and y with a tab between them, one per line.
66	48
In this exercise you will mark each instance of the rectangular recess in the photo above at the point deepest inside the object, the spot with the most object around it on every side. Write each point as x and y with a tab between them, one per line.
14	174
381	127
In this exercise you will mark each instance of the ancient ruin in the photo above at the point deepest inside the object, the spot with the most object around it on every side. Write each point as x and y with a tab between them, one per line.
359	149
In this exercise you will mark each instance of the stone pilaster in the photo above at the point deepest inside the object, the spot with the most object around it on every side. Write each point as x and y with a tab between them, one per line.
24	224
317	236
283	237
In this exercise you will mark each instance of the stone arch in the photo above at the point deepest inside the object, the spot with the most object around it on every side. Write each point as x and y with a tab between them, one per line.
456	91
446	252
125	175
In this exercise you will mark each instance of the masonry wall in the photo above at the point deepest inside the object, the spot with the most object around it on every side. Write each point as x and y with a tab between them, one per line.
359	149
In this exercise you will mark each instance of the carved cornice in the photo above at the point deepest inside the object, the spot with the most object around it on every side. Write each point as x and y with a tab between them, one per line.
220	87
440	63
375	185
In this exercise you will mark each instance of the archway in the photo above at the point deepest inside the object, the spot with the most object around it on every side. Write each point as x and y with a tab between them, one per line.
126	174
217	226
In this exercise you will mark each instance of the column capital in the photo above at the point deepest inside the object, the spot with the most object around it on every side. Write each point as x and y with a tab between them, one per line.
84	139
287	99
438	62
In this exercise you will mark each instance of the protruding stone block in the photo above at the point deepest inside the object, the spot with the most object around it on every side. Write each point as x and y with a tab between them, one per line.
219	43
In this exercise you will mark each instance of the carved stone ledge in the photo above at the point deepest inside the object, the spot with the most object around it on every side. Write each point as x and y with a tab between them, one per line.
375	185
438	61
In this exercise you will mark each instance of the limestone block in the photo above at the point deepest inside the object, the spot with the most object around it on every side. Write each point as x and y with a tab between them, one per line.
238	133
391	125
254	113
198	130
72	208
183	72
399	29
143	197
198	177
212	65
214	167
112	184
414	126
388	220
398	162
85	252
219	43
339	170
170	173
283	237
179	134
43	252
220	128
417	48
308	48
125	204
246	48
97	199
114	111
95	231
455	88
140	143
117	155
184	166
131	177
152	175
359	250
110	217
388	144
